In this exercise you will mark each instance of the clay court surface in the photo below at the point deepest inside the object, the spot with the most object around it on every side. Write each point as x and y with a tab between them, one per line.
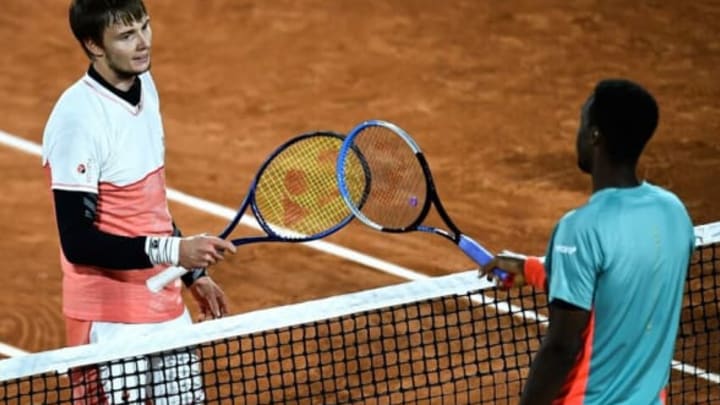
490	90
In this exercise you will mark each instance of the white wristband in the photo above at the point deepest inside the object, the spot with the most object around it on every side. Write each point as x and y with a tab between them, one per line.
163	249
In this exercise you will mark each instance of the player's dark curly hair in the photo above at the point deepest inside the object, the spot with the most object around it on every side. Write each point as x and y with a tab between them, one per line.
626	115
89	18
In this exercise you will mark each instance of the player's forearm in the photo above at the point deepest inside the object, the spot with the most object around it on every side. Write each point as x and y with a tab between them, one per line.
82	243
549	371
95	248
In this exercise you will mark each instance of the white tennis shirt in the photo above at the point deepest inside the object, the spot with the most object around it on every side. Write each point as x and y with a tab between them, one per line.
97	142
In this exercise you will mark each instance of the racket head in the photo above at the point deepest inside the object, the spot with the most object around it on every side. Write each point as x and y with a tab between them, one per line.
399	192
295	195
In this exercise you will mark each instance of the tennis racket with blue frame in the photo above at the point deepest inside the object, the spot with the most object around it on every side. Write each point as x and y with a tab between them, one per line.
294	196
402	190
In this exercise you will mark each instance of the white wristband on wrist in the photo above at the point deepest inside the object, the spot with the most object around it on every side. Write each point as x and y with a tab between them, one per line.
163	249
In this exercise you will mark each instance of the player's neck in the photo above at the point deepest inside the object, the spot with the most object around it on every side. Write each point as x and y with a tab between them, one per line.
120	82
614	176
132	96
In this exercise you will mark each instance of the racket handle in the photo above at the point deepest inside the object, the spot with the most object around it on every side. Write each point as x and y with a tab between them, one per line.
481	256
165	277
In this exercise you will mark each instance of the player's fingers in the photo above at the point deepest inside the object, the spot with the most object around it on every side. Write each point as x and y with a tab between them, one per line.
204	312
199	262
487	269
216	255
223	245
209	258
223	304
490	277
212	300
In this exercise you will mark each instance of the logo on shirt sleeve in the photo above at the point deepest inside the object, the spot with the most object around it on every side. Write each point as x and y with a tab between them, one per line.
85	171
565	249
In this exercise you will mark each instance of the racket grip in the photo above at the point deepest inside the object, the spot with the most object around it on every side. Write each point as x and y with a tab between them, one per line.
165	277
481	256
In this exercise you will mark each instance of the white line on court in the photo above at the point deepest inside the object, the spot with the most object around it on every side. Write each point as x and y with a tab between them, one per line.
11	351
333	249
209	207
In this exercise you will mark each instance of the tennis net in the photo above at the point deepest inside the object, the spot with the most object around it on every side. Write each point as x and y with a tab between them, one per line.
447	340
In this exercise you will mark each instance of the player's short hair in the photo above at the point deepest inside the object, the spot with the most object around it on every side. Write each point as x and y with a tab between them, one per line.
89	18
626	115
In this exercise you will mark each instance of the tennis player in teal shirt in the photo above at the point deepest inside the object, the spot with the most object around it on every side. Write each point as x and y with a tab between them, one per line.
614	268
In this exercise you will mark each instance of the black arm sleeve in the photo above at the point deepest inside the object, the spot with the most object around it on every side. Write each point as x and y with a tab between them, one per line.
191	276
83	243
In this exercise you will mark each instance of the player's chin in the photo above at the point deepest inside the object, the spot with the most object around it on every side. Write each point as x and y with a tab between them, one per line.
140	66
584	166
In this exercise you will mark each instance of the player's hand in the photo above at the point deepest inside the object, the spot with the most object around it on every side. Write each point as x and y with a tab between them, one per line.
210	298
509	262
203	251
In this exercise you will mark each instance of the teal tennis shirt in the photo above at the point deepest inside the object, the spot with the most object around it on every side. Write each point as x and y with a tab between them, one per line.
623	256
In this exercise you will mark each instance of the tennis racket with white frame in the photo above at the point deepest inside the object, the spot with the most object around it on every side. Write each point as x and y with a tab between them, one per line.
402	191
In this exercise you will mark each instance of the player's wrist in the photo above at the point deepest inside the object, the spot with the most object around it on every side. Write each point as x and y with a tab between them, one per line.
163	249
193	275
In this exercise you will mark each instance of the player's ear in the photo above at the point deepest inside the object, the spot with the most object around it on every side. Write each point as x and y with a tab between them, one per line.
93	49
595	135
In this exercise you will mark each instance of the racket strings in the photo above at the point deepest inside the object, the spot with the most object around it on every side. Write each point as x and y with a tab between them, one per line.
297	196
398	189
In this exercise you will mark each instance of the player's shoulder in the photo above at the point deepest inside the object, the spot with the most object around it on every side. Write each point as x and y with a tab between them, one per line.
674	206
147	78
73	115
583	219
576	221
615	198
609	203
583	214
664	194
75	101
148	85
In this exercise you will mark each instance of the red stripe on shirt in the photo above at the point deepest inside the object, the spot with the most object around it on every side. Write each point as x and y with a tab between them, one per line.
575	388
